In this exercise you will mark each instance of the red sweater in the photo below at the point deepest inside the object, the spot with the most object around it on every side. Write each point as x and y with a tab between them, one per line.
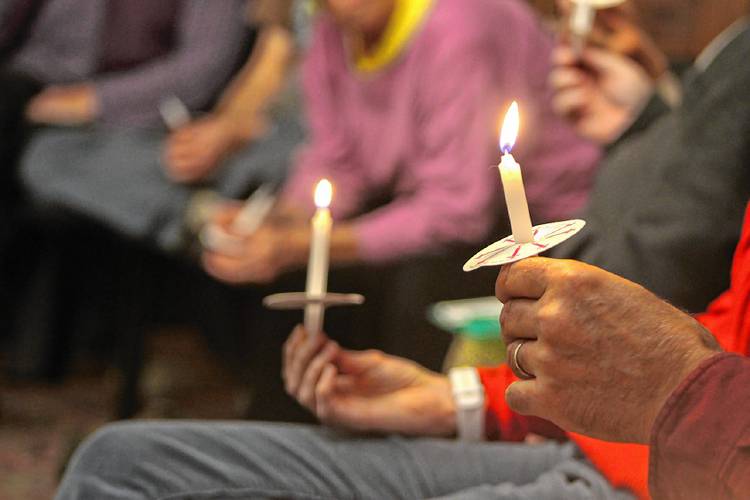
710	396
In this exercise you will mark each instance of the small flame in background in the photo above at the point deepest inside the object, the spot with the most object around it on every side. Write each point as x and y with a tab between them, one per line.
509	131
323	193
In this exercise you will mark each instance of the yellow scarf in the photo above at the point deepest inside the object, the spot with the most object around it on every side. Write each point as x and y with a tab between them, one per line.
406	18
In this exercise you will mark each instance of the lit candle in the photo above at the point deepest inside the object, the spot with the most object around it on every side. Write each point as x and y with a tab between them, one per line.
510	173
317	266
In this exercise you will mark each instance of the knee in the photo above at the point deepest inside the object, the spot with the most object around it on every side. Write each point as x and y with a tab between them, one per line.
109	458
43	157
114	442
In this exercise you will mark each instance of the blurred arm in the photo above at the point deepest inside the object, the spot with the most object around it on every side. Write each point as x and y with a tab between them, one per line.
700	445
208	40
265	73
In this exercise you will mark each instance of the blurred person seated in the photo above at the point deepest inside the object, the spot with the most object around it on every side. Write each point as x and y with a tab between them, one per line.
112	63
70	66
590	351
144	181
665	209
197	148
68	63
403	99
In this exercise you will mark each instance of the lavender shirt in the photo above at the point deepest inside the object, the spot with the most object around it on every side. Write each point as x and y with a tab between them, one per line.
424	130
136	52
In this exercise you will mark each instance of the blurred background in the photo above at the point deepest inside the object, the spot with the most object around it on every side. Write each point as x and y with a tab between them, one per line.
120	140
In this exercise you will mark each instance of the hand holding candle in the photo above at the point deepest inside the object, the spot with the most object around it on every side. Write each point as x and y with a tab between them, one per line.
510	173
317	268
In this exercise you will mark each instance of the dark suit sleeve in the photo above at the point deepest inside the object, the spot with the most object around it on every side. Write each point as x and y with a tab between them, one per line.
667	206
700	445
655	108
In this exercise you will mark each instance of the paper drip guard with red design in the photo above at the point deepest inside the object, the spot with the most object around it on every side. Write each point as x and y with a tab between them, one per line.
526	240
507	250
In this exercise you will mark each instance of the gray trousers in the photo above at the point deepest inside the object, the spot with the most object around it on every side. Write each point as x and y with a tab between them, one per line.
116	177
201	460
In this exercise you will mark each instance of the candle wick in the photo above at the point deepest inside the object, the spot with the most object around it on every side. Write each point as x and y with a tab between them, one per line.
506	149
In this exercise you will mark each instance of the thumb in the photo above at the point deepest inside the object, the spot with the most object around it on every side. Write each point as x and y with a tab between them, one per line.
355	362
523	397
603	61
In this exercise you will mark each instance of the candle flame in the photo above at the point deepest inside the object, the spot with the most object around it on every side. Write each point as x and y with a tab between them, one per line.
509	131
323	193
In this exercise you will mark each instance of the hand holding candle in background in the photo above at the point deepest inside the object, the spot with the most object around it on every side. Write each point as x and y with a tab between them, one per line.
614	27
603	98
257	258
602	88
281	244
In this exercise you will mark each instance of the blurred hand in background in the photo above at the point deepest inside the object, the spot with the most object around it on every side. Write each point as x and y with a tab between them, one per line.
196	150
603	87
600	92
65	105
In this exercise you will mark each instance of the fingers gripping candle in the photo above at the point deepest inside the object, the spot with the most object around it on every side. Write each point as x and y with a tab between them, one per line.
317	267
510	173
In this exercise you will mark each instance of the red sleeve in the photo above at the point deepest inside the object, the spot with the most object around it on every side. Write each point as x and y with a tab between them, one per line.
726	317
502	422
700	444
718	318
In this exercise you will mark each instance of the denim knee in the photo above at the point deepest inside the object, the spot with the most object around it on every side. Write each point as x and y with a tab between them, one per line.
108	460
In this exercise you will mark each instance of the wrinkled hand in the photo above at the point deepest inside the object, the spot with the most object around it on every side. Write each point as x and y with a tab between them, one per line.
606	353
602	96
256	258
194	151
66	105
366	391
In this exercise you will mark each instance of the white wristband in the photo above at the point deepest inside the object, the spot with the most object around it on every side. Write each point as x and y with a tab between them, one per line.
468	394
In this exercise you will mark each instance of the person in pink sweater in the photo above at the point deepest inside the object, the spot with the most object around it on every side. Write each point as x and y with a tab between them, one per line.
403	100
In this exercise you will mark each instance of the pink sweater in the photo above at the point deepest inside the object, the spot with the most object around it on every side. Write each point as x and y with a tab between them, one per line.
423	131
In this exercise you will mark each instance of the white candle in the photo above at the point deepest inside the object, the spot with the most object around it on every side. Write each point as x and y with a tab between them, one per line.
582	16
581	20
510	173
317	267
